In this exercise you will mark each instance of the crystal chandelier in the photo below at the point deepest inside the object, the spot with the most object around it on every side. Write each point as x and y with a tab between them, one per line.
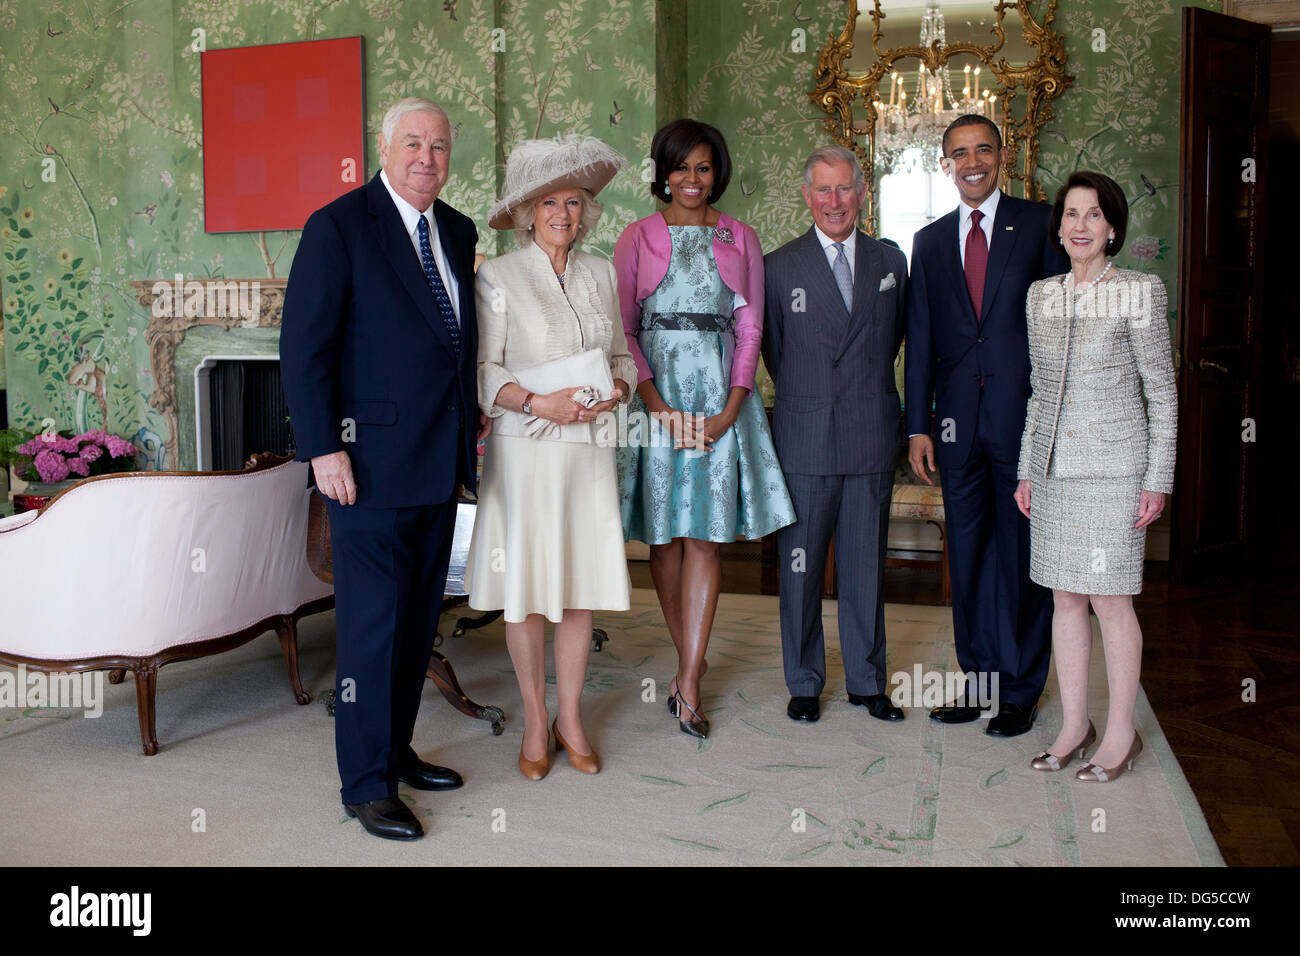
909	130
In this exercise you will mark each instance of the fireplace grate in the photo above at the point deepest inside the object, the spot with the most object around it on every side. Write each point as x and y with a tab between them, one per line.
249	413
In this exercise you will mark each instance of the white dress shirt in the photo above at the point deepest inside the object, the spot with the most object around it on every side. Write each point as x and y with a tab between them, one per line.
850	247
411	220
990	209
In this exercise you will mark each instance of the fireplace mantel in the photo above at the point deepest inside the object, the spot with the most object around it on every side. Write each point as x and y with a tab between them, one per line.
176	307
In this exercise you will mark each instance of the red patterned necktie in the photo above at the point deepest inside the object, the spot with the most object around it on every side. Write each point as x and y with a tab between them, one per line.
977	261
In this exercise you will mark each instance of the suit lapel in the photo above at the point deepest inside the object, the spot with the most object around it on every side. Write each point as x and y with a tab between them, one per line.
866	286
950	260
1004	241
395	242
823	288
460	255
461	264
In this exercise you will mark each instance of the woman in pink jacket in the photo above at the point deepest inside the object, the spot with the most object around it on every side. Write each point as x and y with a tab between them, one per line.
703	469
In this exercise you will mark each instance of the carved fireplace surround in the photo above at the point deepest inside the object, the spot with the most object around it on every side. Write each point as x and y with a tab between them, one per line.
192	321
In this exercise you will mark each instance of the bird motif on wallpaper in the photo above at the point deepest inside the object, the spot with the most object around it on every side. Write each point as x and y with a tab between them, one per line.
616	116
150	210
54	107
449	8
50	31
1148	189
591	64
747	190
88	377
796	14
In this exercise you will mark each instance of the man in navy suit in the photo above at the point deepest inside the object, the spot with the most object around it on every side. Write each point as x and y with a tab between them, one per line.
968	352
378	351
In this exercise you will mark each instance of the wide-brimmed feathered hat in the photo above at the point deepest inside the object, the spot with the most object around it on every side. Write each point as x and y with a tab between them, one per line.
540	166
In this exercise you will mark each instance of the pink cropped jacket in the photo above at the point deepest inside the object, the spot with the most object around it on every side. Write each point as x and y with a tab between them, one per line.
641	258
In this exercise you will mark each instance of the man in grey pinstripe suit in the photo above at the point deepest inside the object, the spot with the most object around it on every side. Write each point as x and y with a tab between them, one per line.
834	321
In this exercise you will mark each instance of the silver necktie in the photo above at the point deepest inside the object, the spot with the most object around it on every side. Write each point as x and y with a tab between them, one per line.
843	276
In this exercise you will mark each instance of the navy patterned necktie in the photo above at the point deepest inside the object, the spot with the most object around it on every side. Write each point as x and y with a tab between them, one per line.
435	283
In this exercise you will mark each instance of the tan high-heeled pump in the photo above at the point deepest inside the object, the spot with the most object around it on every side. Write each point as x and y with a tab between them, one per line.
535	769
1049	761
587	763
1091	773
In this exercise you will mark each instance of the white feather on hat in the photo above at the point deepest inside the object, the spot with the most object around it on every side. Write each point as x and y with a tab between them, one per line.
540	166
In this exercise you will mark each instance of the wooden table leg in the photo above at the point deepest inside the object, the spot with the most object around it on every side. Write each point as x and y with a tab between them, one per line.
442	675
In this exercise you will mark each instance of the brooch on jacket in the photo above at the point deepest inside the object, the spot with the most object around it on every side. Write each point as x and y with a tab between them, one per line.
724	235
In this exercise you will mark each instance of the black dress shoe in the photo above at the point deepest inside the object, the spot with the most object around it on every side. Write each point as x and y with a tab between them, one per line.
955	714
389	818
878	705
426	776
804	708
1012	721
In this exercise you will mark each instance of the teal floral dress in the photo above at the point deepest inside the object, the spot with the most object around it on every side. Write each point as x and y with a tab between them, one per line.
735	490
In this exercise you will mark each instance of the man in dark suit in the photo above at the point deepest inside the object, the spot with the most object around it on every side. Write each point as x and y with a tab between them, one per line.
378	351
833	323
968	352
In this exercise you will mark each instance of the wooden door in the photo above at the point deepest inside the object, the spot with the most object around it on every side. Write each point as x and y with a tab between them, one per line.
1218	359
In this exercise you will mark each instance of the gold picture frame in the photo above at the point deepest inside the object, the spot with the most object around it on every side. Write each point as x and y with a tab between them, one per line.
1025	91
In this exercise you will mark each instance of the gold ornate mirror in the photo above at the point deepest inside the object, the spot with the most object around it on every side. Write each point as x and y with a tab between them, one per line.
918	64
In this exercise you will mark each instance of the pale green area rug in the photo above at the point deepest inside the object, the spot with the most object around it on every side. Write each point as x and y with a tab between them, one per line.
258	771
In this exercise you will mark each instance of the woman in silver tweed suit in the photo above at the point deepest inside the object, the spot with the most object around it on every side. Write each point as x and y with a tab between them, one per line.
1095	463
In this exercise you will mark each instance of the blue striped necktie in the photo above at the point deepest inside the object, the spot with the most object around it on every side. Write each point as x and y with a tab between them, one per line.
435	283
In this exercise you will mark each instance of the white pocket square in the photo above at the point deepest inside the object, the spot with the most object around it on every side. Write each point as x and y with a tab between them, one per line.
888	282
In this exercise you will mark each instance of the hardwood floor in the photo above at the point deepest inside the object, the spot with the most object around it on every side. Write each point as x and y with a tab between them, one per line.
1241	758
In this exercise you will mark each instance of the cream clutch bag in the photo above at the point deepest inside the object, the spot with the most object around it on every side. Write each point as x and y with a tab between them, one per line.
587	372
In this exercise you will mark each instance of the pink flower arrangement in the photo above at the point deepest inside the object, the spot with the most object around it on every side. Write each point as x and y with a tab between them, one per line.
55	457
50	465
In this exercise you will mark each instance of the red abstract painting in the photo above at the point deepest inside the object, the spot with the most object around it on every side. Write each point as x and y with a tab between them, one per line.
283	132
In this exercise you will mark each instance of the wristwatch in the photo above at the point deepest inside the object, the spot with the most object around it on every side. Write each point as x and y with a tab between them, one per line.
528	404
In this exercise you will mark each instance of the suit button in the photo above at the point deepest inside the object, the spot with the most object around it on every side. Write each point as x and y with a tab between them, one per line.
451	407
835	364
980	339
1070	433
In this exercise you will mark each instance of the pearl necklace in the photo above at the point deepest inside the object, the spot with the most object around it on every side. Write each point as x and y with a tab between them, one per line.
1065	281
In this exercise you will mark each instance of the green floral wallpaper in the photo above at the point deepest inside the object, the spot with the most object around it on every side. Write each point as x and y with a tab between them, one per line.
101	155
100	140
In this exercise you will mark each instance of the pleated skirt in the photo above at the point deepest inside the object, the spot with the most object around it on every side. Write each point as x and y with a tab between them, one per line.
735	490
547	533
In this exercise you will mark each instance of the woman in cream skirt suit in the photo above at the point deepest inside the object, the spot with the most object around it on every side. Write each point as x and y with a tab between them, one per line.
1095	462
548	540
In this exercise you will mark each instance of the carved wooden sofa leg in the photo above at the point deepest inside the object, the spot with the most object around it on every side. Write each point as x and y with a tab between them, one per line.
146	690
286	628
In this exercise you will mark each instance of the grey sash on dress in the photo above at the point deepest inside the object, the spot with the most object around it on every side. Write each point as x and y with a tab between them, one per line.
687	322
